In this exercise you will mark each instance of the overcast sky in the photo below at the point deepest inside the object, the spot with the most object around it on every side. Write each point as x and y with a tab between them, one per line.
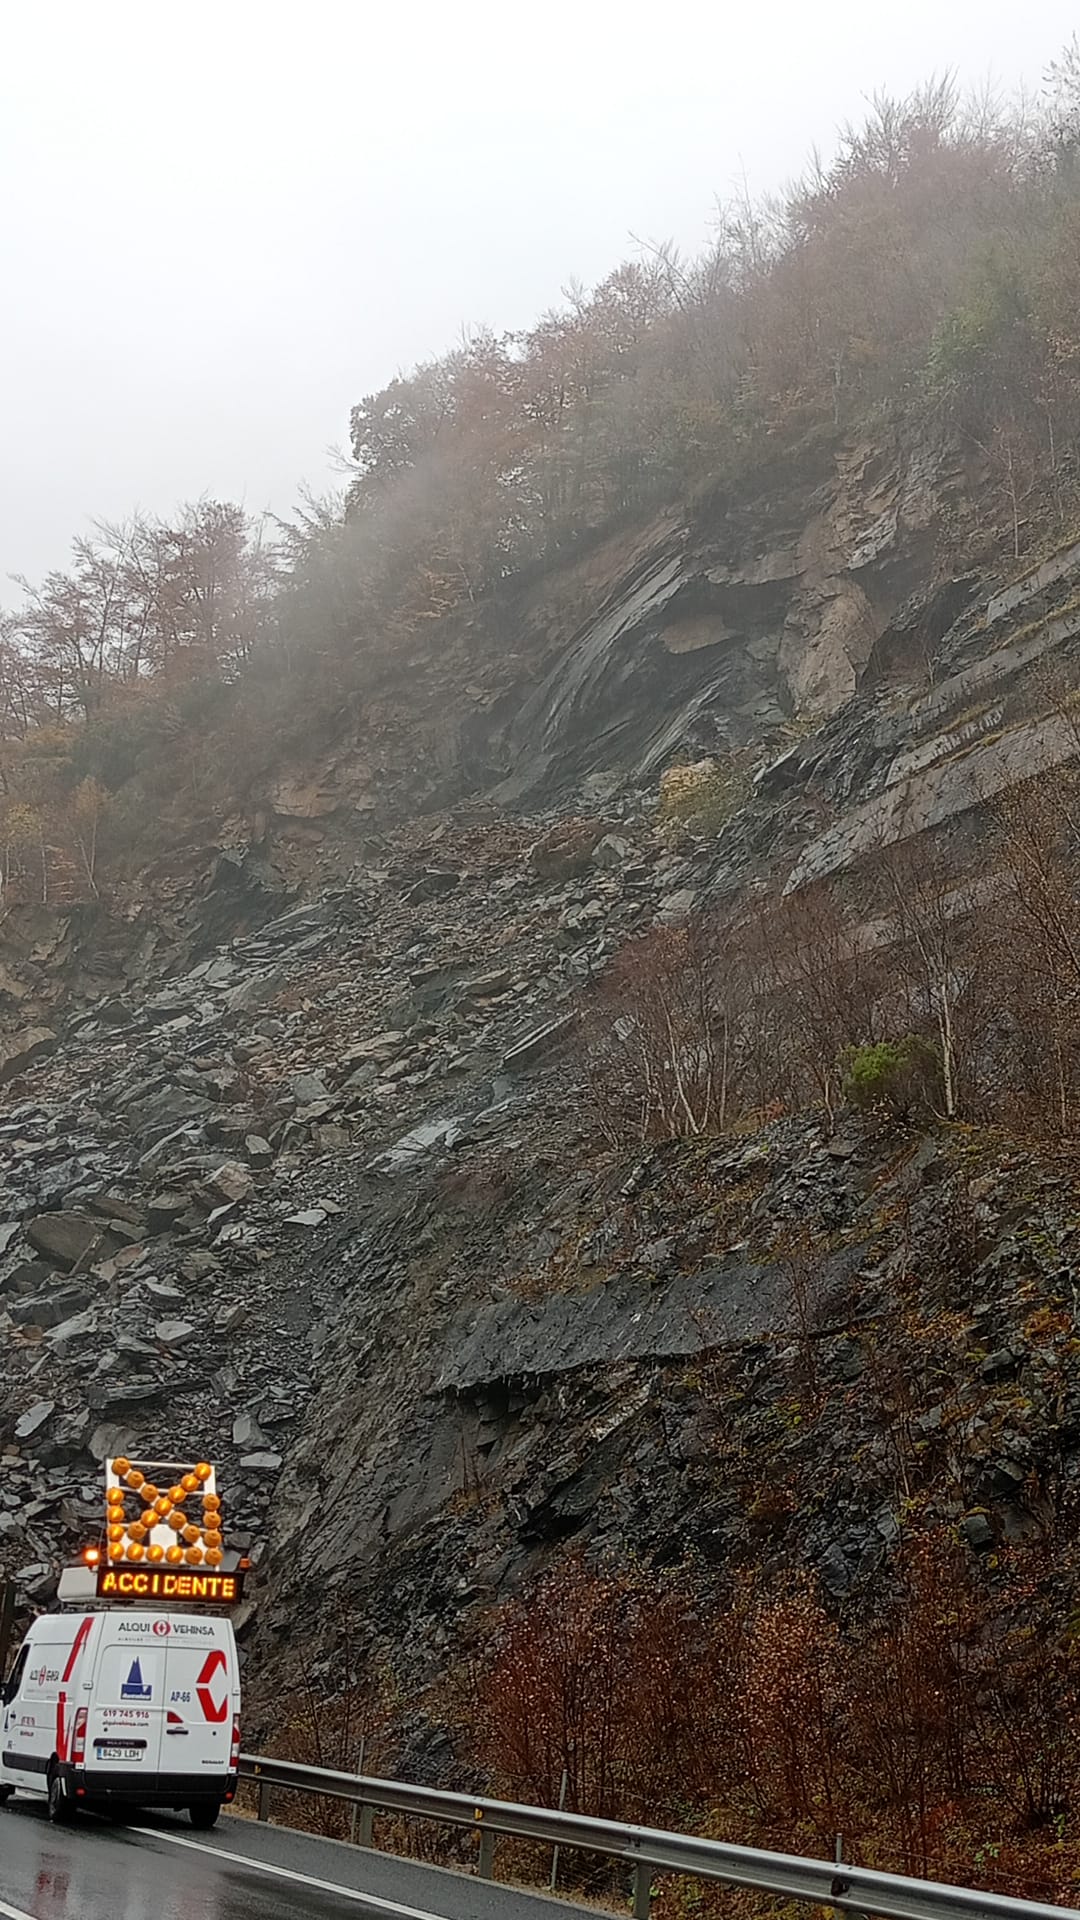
224	221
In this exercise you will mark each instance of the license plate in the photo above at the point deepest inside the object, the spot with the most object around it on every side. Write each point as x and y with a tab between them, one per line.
109	1750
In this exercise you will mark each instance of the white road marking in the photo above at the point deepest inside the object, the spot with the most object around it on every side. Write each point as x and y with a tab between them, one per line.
282	1873
14	1913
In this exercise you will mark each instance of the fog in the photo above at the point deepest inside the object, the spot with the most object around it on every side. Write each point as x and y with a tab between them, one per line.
221	224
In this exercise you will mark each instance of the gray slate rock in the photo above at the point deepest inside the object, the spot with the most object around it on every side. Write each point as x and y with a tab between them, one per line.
49	1310
63	1238
231	1183
165	1209
174	1333
35	1417
977	1531
308	1089
612	852
258	991
163	1290
534	1044
108	1442
82	1326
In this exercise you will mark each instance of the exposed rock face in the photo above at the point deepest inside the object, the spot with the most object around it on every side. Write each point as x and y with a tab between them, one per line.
627	1319
955	747
827	640
720	629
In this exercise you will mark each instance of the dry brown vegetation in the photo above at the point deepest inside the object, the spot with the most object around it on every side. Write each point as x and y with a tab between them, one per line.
939	1737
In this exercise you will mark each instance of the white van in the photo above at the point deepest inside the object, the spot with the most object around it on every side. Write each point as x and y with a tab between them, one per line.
112	1709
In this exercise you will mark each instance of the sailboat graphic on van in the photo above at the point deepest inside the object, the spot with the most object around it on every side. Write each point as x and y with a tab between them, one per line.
134	1688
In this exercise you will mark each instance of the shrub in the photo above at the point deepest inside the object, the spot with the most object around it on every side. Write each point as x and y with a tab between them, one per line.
899	1075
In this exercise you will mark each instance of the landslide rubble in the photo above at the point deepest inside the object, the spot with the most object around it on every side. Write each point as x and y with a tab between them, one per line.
171	1156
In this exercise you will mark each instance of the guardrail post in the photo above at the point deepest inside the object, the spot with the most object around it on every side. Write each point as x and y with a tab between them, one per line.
642	1891
563	1784
264	1800
486	1867
355	1804
839	1913
365	1833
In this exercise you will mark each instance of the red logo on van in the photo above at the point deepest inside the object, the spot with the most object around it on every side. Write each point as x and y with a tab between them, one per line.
161	1626
213	1664
77	1646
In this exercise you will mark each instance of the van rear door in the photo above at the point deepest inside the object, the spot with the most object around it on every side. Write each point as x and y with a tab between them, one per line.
126	1703
30	1719
201	1682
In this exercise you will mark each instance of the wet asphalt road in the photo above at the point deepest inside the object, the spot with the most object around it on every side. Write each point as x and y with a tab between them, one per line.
158	1868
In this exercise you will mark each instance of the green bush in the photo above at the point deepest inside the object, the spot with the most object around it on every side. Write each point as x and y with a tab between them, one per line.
898	1075
993	309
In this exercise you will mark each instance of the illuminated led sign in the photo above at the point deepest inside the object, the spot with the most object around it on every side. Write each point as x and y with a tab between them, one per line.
163	1583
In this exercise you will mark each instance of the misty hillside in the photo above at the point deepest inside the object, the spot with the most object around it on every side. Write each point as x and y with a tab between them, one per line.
540	1029
915	299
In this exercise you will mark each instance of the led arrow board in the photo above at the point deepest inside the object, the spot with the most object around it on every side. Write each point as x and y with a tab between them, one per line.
160	1514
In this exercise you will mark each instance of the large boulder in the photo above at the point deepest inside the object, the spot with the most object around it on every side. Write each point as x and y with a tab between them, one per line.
48	1309
63	1238
567	849
164	1211
174	1333
230	1183
20	1050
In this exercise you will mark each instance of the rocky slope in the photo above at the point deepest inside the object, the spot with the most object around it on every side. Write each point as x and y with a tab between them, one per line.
296	1172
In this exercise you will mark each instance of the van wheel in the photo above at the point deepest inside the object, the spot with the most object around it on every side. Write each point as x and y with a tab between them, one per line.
5	1795
204	1815
61	1809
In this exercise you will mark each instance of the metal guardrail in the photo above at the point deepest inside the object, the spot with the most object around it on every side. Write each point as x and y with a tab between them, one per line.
648	1850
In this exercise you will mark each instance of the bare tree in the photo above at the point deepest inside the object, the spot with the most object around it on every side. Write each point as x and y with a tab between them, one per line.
661	1059
939	956
823	977
1037	840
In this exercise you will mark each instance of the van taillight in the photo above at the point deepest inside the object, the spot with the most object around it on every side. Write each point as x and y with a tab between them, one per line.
78	1739
234	1753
